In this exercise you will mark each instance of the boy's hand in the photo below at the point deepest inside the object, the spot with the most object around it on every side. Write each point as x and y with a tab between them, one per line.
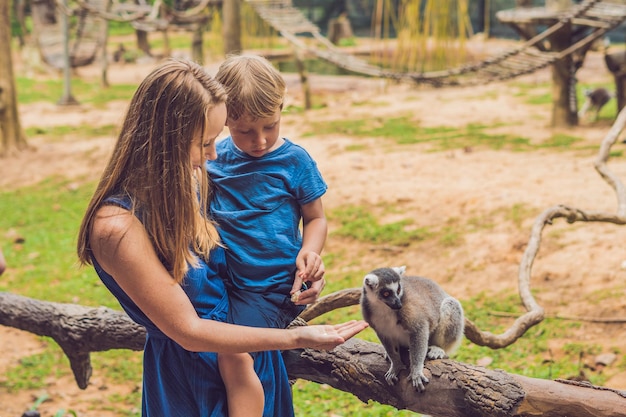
309	267
309	279
308	293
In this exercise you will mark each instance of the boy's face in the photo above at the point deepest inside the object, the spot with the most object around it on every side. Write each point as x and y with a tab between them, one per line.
256	137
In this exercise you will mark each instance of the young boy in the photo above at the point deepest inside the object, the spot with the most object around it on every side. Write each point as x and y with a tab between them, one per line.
265	186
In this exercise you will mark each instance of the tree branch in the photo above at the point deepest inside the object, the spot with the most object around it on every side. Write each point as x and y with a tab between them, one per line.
455	389
78	330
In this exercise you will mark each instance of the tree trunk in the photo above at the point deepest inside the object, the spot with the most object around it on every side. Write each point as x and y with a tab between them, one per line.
197	53
231	12
616	63
12	137
455	389
18	10
142	42
104	56
304	78
564	108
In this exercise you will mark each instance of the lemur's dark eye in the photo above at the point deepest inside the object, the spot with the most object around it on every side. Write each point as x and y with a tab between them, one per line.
385	293
399	289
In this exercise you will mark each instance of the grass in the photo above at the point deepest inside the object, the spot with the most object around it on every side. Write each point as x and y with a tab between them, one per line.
405	130
58	133
366	224
360	224
530	355
31	90
47	217
33	370
542	97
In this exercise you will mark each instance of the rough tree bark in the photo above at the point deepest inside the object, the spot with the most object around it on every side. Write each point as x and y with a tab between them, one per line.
455	389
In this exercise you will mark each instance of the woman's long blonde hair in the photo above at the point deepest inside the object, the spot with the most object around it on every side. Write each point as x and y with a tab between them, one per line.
151	164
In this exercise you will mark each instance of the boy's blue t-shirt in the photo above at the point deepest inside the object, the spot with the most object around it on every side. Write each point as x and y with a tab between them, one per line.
256	204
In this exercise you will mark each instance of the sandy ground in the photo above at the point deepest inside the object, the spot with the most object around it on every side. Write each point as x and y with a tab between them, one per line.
576	263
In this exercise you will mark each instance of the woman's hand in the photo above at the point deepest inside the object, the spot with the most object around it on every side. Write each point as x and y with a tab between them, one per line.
327	337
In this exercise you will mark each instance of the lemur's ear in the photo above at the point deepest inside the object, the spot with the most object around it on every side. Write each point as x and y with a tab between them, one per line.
399	269
370	280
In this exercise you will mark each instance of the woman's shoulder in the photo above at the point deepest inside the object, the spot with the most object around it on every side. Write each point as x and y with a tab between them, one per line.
112	222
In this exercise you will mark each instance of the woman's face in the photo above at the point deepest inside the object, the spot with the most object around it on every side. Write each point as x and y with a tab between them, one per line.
203	148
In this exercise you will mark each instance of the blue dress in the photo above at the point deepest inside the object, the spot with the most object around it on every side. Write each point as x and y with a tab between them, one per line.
180	383
256	202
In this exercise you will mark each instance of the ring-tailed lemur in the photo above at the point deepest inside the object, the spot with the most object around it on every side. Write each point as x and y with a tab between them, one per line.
595	100
411	312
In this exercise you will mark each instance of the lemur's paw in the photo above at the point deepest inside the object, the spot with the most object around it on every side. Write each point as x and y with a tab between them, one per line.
435	352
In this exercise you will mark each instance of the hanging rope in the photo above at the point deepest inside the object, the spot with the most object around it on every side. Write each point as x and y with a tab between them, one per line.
600	16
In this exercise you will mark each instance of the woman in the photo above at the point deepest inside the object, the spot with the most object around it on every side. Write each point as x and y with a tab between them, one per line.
146	236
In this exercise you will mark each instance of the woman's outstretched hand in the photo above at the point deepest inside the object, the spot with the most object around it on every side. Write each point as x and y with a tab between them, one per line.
327	337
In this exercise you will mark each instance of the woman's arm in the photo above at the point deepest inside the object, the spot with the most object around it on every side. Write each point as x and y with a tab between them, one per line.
121	245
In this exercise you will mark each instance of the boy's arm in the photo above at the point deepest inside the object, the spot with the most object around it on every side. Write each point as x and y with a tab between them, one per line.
309	264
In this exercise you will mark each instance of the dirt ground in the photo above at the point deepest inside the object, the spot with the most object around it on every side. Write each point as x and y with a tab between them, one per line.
580	270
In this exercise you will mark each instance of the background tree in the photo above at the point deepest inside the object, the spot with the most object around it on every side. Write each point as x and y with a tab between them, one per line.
12	136
231	12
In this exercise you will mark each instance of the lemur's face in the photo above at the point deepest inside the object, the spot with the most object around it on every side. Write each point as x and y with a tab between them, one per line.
384	285
391	294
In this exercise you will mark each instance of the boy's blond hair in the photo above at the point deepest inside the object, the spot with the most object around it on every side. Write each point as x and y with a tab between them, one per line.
253	85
